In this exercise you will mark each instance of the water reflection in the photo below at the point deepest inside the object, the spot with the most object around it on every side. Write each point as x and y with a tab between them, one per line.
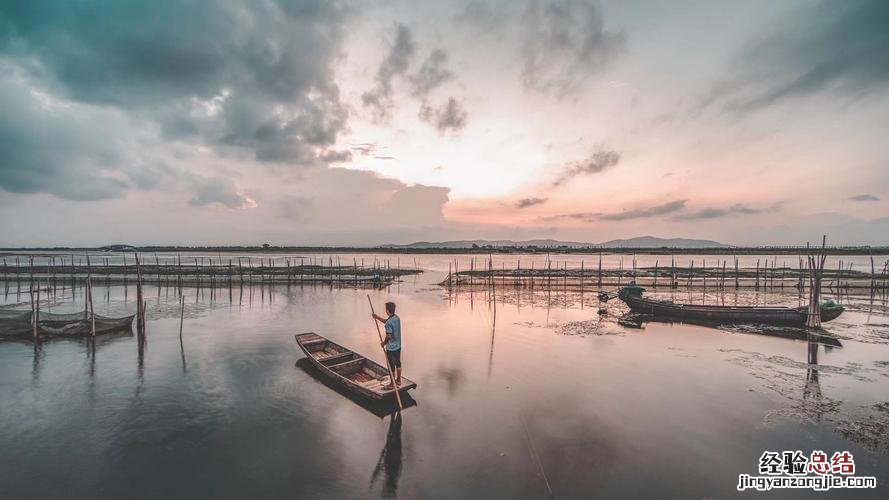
605	415
35	364
379	408
812	389
389	462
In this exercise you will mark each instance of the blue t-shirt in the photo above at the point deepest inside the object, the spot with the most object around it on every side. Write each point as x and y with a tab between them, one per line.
393	329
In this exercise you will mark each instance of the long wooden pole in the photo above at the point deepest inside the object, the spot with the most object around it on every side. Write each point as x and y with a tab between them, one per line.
385	355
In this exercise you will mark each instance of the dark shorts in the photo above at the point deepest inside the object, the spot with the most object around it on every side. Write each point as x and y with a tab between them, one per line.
394	358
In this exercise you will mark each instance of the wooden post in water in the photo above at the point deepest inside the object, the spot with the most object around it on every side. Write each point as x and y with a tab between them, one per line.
757	274
620	271
89	293
33	309
565	277
581	282
655	272
600	271
704	272
140	323
37	309
634	268
736	273
181	317
531	276
816	268
674	283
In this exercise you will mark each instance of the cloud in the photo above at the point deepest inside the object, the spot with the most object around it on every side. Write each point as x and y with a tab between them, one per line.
864	197
738	208
218	190
636	213
530	202
364	148
334	156
645	212
585	217
396	63
212	74
431	75
345	201
449	116
66	149
564	43
597	162
829	47
704	213
480	16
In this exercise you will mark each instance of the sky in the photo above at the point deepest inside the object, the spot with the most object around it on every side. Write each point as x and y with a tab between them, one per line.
242	122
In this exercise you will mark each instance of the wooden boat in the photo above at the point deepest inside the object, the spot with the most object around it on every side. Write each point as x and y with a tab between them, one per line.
791	316
356	373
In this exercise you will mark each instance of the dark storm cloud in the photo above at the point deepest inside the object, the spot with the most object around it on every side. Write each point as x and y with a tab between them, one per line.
61	151
645	212
449	116
597	162
864	197
838	47
255	75
530	202
432	74
564	43
397	61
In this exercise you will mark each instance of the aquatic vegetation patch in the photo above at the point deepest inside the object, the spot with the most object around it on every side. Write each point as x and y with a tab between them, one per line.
589	327
799	384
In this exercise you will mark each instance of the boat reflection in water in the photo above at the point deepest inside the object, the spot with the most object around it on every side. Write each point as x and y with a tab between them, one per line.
389	463
390	459
379	408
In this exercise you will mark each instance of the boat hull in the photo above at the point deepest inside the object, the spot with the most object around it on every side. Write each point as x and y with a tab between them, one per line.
725	315
357	374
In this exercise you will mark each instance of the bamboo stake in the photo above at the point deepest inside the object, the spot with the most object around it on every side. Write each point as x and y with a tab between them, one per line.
35	307
89	293
600	271
181	317
655	272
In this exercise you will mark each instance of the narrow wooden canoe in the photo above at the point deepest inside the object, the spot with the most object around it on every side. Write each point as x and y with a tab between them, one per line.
356	373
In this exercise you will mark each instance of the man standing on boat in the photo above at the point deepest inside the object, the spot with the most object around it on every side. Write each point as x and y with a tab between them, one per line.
392	342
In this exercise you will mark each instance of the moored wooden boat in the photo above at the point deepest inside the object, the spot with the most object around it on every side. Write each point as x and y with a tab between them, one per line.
791	316
356	373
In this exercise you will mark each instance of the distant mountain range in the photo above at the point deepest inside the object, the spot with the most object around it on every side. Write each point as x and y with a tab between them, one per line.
638	242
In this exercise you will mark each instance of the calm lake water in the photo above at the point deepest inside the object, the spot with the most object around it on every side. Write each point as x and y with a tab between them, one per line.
543	394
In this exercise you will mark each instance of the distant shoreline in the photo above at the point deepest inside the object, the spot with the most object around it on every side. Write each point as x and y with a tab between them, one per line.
783	250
